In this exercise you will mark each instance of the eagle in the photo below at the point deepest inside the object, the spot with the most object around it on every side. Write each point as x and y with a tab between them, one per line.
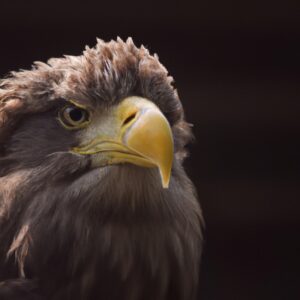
94	200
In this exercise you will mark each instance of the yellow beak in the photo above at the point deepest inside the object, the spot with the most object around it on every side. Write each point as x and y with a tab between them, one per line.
134	132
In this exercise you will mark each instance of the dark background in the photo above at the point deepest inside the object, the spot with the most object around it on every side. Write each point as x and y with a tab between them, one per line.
236	67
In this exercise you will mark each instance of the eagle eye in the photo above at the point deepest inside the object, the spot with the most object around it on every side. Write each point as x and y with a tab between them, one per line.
74	117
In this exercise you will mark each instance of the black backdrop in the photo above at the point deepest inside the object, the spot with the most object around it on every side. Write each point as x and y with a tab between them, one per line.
236	67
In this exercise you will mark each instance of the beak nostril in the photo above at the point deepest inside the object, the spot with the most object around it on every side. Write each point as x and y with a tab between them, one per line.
129	118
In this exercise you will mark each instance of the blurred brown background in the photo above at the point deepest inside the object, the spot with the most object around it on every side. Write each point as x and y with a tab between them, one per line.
236	67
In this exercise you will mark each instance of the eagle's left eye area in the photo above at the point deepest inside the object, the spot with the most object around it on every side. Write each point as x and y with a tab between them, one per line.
73	117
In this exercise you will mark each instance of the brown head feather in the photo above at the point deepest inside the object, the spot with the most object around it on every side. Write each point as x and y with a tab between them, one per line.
89	239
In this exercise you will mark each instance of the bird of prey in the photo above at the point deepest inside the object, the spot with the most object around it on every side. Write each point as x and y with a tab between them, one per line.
94	201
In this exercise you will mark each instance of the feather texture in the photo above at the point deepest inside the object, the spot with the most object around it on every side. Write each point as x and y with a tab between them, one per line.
71	232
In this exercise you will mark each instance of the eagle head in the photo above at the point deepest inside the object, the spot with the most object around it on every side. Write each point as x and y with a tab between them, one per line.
94	201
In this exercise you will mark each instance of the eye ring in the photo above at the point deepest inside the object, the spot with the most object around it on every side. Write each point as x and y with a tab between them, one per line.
74	117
